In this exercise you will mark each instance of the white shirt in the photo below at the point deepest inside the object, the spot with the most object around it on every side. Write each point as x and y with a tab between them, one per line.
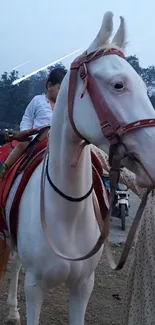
37	114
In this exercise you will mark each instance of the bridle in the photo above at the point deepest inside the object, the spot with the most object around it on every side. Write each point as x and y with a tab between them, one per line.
110	126
113	131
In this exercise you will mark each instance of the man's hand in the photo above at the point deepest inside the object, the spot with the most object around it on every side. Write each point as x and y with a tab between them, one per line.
25	135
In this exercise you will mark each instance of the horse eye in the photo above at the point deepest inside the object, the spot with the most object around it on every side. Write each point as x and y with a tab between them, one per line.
119	85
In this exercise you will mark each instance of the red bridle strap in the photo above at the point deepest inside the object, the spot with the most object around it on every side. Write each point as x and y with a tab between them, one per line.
110	126
139	124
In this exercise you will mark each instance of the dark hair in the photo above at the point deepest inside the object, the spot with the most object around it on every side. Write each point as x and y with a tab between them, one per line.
56	76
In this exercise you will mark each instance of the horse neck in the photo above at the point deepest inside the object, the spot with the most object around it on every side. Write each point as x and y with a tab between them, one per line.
74	182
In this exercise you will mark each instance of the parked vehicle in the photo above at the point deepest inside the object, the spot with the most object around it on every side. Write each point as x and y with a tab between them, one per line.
121	206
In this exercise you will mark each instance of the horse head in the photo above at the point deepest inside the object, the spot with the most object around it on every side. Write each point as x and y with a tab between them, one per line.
108	100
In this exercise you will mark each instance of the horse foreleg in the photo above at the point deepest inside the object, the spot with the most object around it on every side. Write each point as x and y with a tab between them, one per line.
79	297
34	298
14	317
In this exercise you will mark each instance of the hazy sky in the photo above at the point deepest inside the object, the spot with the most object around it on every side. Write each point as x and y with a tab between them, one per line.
44	30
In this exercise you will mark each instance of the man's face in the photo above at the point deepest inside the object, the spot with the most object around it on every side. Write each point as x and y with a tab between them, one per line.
53	91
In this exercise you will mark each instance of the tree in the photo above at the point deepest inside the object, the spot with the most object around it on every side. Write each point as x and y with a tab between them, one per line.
134	61
147	74
14	99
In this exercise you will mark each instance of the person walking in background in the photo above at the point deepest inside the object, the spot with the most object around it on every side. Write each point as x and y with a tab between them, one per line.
138	303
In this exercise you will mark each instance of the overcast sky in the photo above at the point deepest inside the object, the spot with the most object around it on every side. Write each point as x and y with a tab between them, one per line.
45	30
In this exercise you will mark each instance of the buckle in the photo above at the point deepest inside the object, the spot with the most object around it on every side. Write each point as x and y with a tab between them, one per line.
113	135
83	70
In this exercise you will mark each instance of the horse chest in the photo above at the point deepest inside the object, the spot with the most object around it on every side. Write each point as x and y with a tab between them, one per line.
57	271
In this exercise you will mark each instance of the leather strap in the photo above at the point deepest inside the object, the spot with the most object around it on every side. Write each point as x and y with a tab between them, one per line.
71	94
104	230
113	131
129	240
139	124
110	126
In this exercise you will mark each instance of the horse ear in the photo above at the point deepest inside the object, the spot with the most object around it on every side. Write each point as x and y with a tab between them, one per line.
104	32
120	36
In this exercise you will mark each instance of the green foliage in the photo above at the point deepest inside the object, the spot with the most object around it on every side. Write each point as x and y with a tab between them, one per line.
14	99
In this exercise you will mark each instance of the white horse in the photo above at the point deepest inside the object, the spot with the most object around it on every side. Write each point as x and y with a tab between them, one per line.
72	225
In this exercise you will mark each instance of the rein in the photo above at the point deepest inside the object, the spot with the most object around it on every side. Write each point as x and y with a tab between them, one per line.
113	131
104	230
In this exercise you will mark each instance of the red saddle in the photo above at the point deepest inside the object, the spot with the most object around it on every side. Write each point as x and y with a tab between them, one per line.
6	149
27	163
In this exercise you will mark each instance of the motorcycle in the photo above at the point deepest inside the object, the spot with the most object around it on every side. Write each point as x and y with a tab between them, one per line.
120	208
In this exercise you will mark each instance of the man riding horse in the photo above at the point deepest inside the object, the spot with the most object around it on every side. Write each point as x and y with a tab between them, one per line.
37	114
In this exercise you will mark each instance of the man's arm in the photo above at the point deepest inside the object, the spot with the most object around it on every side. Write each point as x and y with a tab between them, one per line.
9	135
28	117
